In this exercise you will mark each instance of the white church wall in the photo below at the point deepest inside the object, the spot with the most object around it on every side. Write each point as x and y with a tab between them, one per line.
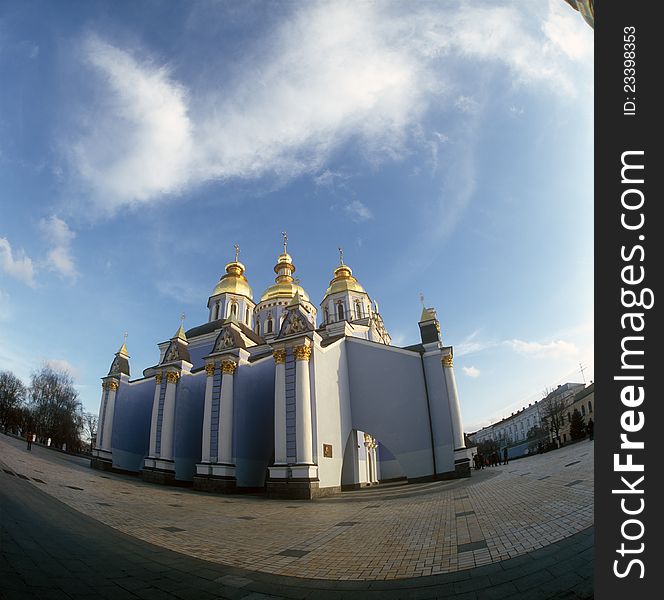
253	421
388	401
330	410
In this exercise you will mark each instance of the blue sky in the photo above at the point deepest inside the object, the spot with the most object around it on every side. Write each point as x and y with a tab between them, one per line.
446	146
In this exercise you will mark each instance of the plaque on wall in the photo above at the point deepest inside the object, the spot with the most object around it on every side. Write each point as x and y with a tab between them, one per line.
327	450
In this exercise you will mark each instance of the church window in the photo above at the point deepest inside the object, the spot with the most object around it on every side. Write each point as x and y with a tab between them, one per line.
234	310
340	311
269	325
358	309
583	410
327	316
590	406
246	316
216	311
258	327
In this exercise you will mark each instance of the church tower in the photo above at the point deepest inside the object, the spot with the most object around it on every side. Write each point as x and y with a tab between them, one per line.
117	374
271	310
347	302
232	297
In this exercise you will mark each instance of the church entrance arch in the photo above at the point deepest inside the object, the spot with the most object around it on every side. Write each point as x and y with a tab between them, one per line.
367	462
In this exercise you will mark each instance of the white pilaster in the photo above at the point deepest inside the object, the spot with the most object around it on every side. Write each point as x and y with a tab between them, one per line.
207	414
225	443
303	429
106	438
102	412
168	418
155	415
455	407
280	453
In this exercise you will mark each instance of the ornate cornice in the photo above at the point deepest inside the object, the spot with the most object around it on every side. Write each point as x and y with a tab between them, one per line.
172	377
157	378
228	367
447	360
209	369
279	356
302	352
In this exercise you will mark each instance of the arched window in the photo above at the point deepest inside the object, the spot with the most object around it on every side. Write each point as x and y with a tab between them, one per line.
258	327
234	310
340	311
269	325
590	406
216	311
583	410
327	316
358	309
246	317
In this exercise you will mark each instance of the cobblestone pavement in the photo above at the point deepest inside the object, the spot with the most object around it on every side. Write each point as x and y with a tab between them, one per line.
378	534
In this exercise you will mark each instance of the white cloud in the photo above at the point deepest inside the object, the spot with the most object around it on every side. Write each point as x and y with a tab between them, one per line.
60	364
18	266
553	349
467	104
471	371
358	211
567	32
59	236
138	146
330	73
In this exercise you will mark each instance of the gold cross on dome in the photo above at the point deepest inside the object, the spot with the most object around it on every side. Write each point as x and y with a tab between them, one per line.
125	336
422	300
237	251
182	317
341	255
285	236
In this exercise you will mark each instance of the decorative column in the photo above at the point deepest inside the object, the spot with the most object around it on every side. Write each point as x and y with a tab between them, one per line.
111	385
280	453
303	430
462	455
455	407
225	444
207	413
152	451
168	418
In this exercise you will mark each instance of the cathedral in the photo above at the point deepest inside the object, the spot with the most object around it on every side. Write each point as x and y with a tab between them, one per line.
286	398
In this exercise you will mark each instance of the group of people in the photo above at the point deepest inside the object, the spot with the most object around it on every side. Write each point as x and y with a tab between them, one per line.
490	460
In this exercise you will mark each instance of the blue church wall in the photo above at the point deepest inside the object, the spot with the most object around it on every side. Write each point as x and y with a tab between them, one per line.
189	405
253	421
131	425
441	417
389	465
387	399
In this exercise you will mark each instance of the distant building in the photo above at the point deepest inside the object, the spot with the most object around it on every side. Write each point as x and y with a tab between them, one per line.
584	402
513	430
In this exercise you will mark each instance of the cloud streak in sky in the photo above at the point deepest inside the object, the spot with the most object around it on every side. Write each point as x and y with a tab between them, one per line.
59	257
17	265
330	73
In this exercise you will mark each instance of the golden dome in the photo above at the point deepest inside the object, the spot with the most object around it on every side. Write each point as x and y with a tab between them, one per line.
285	285
234	282
284	289
343	282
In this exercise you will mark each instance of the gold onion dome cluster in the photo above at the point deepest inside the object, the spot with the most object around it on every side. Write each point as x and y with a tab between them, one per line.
234	282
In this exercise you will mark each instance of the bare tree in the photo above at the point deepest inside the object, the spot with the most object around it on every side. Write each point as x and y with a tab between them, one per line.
55	407
12	401
553	416
90	423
